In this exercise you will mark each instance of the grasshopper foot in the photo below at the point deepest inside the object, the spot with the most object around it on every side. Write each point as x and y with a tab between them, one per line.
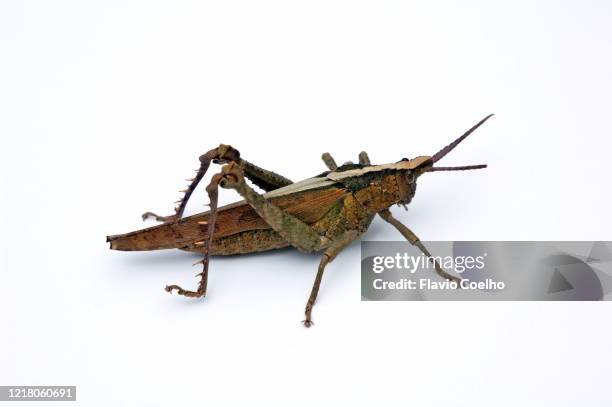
308	314
147	215
186	293
307	323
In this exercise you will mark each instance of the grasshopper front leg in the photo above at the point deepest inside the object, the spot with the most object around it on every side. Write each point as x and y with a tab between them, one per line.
414	240
267	180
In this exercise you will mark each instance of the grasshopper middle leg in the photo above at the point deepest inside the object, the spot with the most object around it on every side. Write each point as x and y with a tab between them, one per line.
297	233
331	163
330	253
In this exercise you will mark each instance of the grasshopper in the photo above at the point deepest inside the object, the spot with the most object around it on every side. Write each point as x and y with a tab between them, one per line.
324	213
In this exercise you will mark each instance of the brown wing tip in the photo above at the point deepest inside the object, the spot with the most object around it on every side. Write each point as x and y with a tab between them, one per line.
123	243
111	239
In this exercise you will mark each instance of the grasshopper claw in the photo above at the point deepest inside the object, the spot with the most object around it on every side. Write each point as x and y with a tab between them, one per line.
147	215
307	323
181	291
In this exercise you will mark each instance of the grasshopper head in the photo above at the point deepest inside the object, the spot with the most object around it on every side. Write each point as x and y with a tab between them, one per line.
410	170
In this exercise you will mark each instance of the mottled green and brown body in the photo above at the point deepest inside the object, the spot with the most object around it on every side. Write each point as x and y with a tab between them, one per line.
323	213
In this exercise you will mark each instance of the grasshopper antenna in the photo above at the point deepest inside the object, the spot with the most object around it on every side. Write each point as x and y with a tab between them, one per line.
460	168
437	156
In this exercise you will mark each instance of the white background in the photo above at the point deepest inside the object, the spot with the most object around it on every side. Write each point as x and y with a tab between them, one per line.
106	105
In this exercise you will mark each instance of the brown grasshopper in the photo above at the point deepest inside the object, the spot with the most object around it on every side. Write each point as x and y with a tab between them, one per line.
324	213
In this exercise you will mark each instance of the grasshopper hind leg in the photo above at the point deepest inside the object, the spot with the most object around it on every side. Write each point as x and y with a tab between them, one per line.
213	194
224	154
232	176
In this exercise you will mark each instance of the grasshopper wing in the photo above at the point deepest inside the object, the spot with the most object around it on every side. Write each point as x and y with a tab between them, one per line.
308	200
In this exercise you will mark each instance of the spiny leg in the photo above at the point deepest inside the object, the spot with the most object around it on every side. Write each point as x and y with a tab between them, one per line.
213	194
265	179
329	255
296	232
223	154
414	240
